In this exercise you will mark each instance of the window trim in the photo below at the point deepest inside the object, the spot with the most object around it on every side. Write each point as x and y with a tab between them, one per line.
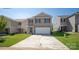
37	20
46	20
63	20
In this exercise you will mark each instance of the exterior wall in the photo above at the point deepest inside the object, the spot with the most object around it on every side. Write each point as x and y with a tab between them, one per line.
71	24
41	24
77	22
57	24
24	26
11	25
77	19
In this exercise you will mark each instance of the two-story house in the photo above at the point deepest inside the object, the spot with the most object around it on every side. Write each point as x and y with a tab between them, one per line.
11	26
68	23
61	23
39	24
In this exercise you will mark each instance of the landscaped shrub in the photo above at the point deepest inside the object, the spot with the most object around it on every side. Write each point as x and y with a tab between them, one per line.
60	33
2	39
12	34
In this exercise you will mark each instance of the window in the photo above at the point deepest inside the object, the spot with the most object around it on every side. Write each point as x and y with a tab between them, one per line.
46	20
7	30
19	23
30	21
63	20
37	20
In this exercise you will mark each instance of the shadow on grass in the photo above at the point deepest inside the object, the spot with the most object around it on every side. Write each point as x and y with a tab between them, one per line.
60	33
1	41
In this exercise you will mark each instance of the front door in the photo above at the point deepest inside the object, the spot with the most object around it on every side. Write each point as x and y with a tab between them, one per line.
64	28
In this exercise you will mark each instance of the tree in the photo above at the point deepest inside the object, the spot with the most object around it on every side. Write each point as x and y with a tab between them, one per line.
2	26
2	23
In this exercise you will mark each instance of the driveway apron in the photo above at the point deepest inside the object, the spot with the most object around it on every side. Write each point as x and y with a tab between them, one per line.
41	41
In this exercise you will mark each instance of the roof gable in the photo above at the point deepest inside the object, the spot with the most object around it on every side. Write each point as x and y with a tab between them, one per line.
42	14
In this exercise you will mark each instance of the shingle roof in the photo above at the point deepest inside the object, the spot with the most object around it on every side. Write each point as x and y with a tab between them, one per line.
73	14
42	14
20	20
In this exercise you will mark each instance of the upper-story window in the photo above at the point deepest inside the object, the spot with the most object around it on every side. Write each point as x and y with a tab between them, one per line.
30	21
46	20
37	20
19	23
63	20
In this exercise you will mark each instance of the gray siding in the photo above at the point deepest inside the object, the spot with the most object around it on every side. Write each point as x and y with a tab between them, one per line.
77	22
77	19
71	24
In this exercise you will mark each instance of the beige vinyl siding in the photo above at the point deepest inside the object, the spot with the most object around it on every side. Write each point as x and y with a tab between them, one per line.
11	25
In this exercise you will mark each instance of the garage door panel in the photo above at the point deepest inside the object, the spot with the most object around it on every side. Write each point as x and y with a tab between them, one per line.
42	30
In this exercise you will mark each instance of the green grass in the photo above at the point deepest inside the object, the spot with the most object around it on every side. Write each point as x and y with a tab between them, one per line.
71	40
13	39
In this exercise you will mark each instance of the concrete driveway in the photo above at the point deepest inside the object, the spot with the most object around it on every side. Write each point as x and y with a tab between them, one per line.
41	41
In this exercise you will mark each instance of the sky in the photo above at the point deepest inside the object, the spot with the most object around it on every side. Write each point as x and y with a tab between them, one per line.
23	13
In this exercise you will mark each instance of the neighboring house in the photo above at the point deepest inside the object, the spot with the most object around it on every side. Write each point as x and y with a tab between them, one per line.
61	23
24	25
12	26
21	25
39	24
68	23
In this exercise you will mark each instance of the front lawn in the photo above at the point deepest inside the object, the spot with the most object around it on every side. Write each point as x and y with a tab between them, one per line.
13	39
71	39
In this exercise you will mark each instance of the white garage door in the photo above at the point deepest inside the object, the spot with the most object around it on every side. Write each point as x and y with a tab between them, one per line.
42	30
